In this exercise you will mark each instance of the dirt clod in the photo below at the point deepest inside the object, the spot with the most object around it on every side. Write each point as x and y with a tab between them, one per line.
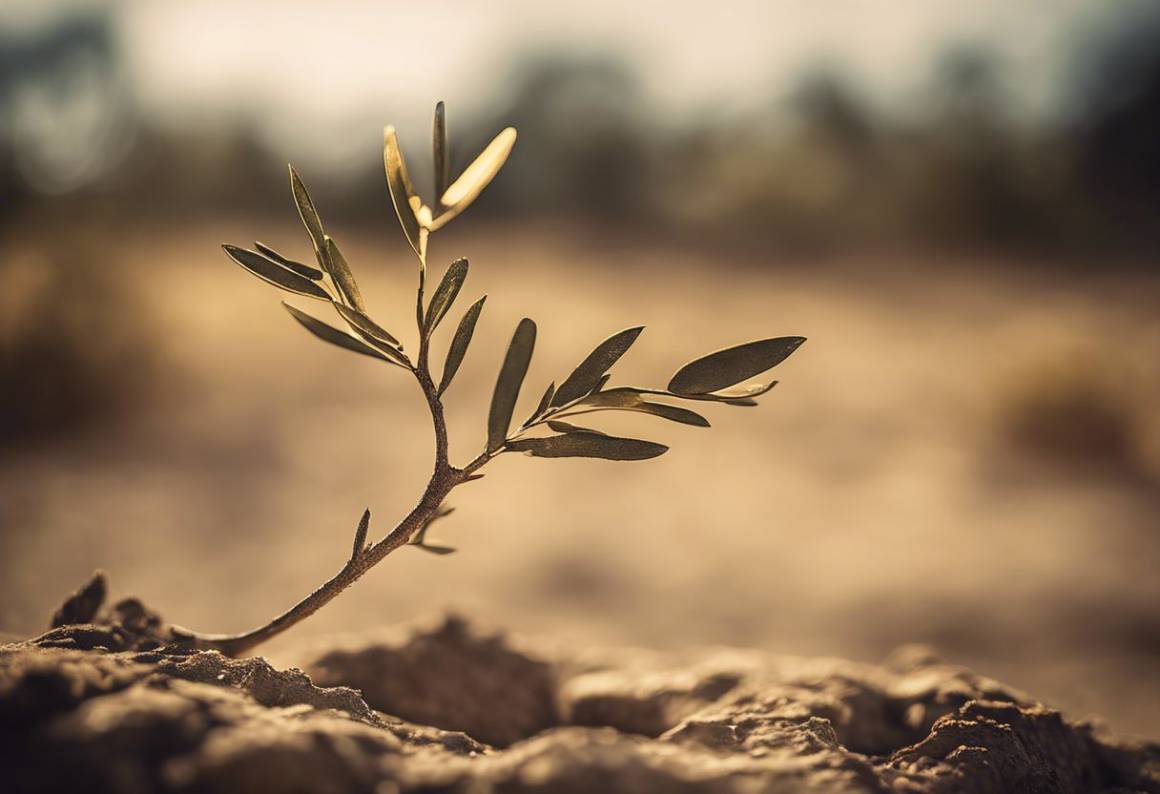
86	708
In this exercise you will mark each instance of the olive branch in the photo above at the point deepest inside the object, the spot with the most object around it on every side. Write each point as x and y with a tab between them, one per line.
720	377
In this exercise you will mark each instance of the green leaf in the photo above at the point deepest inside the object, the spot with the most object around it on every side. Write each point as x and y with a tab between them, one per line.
360	534
459	344
732	365
507	386
407	203
420	538
274	273
307	212
586	377
567	427
365	325
312	273
439	149
373	334
328	333
445	295
542	405
343	277
434	548
475	177
588	445
629	399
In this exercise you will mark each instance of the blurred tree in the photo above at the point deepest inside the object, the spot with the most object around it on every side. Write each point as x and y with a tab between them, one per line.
1116	116
584	140
66	115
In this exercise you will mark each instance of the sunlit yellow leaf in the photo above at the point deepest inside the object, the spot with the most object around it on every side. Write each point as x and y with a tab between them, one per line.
630	399
744	390
307	212
475	177
403	196
340	271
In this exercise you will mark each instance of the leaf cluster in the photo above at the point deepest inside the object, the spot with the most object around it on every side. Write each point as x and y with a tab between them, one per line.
733	376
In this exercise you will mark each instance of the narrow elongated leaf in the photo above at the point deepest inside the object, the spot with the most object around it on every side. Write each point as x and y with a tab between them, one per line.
588	445
629	399
343	277
307	212
568	427
328	333
312	273
445	295
373	334
420	537
507	386
435	548
276	274
744	391
586	377
475	177
360	534
441	152
459	344
542	405
734	395
732	365
364	324
674	413
403	196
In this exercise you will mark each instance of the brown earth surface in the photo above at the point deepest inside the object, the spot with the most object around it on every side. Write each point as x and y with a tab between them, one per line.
891	490
106	704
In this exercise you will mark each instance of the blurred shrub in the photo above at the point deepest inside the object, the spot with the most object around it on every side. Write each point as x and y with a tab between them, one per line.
1080	413
584	137
73	342
961	163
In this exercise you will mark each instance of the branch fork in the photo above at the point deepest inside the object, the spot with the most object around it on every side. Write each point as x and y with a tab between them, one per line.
721	377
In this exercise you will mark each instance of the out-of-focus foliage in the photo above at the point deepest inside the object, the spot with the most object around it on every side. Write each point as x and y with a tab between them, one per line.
716	377
66	117
825	167
74	346
1080	411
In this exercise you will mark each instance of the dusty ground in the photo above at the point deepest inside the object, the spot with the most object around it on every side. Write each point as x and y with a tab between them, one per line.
873	500
106	707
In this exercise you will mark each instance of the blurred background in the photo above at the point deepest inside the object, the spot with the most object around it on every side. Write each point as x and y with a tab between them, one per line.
956	203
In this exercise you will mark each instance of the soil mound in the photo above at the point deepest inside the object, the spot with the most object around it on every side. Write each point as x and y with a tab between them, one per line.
111	704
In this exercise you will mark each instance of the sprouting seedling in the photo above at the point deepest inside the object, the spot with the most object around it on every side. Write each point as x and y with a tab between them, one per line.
725	376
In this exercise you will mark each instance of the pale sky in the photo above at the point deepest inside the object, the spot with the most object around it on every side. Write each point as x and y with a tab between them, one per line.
307	71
